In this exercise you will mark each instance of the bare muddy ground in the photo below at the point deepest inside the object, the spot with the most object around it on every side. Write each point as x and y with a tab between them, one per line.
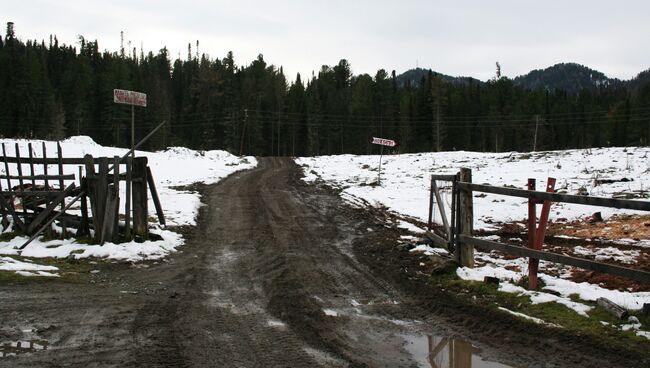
277	274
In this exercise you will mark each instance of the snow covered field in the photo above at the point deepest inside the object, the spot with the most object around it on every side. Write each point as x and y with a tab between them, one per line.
171	168
405	178
405	186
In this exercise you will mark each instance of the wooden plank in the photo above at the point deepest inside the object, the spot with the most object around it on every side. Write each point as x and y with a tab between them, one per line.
64	230
31	164
430	222
51	161
9	205
19	167
140	210
533	264
90	186
47	224
154	196
127	204
60	199
108	226
637	275
84	227
45	168
101	193
465	251
443	177
556	197
453	214
31	193
38	177
441	207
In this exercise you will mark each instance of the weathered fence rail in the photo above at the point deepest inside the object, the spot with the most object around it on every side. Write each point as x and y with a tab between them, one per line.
461	241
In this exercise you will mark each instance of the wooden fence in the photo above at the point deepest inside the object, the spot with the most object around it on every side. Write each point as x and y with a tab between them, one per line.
42	196
460	237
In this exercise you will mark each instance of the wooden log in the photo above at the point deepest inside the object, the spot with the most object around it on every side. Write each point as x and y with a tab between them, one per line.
613	308
140	205
101	193
465	253
108	226
154	196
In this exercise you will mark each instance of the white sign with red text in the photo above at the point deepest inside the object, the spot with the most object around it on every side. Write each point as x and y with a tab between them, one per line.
123	96
384	142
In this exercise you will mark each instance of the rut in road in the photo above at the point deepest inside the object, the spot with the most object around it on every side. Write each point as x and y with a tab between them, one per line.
278	285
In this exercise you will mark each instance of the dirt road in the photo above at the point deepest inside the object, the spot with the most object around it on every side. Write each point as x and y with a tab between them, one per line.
275	275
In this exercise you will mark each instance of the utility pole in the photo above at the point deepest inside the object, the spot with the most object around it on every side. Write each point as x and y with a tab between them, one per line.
536	127
243	133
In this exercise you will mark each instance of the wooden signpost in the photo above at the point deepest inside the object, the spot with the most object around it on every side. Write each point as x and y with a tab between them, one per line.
134	99
382	142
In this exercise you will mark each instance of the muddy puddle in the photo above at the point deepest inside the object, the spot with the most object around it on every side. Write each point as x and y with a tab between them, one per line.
22	347
443	352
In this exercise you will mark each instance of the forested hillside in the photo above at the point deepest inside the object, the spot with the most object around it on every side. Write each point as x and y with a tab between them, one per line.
50	90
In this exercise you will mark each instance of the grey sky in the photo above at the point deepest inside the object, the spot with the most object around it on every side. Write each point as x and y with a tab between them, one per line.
457	38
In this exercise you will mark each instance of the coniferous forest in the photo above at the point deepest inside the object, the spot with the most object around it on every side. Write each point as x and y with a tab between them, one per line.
50	90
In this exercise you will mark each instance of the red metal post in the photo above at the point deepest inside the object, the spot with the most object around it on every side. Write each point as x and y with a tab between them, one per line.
541	232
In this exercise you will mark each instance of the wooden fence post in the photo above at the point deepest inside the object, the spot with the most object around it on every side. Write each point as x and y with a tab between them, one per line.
101	193
465	252
532	226
139	188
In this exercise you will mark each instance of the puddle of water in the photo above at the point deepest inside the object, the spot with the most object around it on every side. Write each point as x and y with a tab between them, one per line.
22	347
442	352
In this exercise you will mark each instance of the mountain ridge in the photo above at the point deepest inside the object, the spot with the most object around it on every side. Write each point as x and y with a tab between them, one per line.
570	77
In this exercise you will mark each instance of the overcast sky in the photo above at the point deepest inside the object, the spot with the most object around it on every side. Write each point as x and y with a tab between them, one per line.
452	37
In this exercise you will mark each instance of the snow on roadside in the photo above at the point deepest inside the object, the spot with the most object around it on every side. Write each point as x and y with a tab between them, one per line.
26	268
171	168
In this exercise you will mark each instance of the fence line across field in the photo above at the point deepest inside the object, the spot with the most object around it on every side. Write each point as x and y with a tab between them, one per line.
458	232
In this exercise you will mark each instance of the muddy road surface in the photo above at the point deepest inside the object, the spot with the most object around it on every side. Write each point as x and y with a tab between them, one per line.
275	275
